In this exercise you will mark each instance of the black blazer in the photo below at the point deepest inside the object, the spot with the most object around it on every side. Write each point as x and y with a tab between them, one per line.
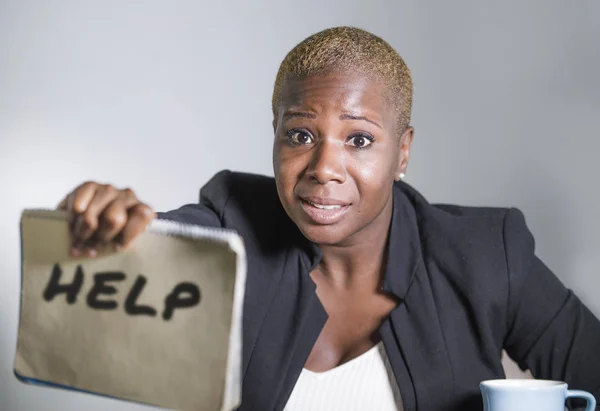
468	282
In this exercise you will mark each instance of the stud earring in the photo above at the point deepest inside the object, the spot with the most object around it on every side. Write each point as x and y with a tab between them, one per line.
401	176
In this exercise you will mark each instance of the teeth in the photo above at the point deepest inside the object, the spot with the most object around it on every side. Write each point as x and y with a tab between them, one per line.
325	207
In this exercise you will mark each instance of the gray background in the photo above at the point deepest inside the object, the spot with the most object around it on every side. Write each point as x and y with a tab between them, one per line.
160	95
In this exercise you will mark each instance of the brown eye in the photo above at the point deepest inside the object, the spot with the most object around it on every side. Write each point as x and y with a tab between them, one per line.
360	141
299	137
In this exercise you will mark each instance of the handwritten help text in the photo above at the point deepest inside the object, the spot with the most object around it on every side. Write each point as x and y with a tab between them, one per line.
183	295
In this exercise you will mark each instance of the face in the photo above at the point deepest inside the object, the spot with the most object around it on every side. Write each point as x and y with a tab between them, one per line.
336	154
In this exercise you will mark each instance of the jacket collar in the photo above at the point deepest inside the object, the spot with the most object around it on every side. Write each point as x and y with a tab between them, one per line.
404	245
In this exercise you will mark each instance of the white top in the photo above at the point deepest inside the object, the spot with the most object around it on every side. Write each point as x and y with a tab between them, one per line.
363	383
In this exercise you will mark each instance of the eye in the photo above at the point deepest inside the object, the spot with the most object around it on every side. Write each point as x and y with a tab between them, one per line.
360	140
297	137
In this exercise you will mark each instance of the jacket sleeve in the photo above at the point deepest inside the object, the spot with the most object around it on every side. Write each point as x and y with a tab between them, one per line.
211	207
549	330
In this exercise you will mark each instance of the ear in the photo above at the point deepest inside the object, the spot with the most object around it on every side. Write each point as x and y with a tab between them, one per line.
406	140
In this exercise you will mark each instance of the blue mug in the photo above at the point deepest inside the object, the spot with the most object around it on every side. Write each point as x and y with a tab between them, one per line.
529	395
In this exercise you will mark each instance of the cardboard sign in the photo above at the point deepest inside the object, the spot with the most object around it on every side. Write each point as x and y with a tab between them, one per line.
159	323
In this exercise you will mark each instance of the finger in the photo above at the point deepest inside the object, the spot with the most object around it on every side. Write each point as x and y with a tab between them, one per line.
113	219
140	215
86	223
78	201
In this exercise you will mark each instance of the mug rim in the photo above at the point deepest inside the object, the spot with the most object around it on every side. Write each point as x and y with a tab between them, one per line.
516	383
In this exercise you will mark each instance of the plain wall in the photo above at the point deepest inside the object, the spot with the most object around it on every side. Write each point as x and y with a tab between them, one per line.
160	95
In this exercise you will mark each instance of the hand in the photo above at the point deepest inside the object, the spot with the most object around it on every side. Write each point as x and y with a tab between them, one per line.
102	215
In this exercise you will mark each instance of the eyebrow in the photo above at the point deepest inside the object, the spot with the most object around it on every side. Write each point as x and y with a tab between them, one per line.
353	117
301	114
305	114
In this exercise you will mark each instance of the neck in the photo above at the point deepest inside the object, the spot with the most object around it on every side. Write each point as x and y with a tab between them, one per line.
361	259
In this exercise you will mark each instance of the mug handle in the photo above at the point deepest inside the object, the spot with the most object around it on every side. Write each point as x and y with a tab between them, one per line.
591	401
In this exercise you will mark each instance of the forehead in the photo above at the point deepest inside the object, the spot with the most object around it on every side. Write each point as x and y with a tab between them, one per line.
338	93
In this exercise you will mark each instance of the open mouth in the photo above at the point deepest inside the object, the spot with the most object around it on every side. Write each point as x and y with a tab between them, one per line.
325	207
324	211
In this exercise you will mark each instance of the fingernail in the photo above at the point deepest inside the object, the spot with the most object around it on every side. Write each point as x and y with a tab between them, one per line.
91	252
75	252
77	246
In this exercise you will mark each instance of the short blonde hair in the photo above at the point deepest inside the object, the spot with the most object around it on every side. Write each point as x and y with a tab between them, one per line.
349	49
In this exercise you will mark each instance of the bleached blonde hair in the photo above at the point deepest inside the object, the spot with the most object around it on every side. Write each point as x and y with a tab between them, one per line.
349	50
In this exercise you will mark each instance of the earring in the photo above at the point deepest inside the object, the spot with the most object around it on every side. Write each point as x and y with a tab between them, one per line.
401	176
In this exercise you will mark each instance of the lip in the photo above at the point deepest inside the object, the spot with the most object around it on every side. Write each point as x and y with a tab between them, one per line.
324	216
324	200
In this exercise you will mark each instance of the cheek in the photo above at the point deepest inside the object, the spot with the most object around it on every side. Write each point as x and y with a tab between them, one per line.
290	161
368	173
285	169
374	181
374	172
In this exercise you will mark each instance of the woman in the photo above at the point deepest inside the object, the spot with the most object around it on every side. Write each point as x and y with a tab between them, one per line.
360	294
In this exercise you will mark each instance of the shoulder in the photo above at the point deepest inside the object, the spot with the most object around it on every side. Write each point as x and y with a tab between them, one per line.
229	190
463	222
227	184
226	191
249	204
473	243
446	211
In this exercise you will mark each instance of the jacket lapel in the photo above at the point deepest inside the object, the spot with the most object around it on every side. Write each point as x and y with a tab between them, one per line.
413	336
416	328
293	320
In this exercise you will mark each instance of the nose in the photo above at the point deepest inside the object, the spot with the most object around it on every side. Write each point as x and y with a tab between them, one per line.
328	163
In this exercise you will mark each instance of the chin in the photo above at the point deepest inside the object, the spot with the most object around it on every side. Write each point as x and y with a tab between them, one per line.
323	234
